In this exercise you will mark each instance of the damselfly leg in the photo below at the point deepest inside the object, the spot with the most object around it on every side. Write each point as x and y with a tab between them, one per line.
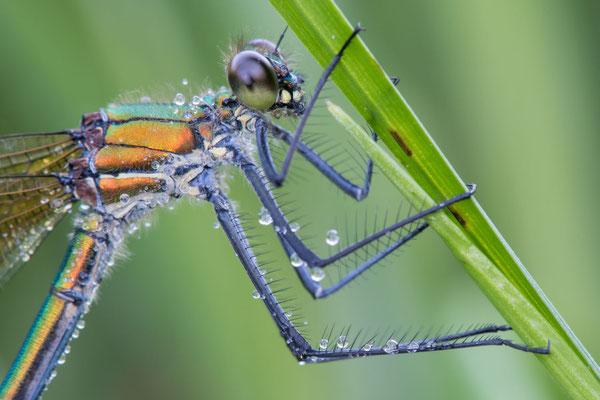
275	177
294	247
294	339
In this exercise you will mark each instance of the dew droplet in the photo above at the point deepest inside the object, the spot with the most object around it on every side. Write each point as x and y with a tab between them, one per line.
75	334
332	238
294	226
62	359
342	342
184	82
80	324
169	170
44	200
179	99
216	225
264	218
255	295
295	260
51	377
124	198
301	363
162	198
67	349
155	165
317	274
187	114
390	346
323	344
412	347
288	313
196	100
368	346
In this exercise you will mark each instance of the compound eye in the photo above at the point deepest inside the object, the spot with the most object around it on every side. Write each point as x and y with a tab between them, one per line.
253	80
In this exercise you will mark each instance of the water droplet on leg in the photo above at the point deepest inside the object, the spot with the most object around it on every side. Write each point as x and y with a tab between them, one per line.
264	218
317	274
391	346
332	238
342	342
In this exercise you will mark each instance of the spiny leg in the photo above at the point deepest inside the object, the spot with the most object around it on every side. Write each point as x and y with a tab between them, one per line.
352	190
318	291
264	152
469	339
234	231
259	184
297	343
299	253
277	178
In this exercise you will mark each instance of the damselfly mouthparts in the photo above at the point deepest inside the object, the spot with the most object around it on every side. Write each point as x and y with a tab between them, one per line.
128	159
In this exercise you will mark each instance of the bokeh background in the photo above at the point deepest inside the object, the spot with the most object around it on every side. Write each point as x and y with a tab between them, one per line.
509	90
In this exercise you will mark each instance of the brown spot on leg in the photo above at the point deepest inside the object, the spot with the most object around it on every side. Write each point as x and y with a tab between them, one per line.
401	142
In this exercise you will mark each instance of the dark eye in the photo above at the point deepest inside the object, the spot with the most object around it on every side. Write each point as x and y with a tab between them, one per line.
253	80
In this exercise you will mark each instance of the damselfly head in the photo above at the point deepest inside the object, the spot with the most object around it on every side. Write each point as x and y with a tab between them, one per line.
262	80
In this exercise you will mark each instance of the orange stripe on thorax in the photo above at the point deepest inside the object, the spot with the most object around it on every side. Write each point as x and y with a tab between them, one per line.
112	159
174	137
113	188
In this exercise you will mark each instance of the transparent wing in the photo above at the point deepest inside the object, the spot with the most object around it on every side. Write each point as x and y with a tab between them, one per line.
32	201
35	153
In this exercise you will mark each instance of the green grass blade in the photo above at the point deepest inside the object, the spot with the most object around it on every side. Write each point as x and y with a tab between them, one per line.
323	28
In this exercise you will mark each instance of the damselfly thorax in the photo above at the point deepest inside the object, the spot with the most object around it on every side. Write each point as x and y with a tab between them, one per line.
126	159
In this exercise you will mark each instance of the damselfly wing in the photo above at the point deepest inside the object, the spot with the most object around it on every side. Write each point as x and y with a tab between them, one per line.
32	200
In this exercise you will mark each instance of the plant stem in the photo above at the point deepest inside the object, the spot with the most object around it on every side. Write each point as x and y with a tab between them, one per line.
466	228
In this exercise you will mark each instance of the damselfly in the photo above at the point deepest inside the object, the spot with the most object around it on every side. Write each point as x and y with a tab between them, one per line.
128	159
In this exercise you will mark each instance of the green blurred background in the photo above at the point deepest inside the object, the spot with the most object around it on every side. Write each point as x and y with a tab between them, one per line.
509	90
